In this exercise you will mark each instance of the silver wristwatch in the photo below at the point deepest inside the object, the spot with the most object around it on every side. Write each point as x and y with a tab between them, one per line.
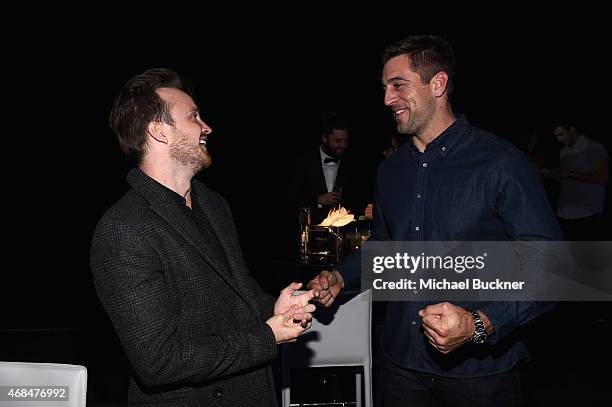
480	333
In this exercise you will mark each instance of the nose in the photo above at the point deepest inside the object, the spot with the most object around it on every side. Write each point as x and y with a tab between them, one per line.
390	96
206	129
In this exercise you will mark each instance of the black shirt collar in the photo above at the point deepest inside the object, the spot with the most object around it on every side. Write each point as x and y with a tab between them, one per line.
446	141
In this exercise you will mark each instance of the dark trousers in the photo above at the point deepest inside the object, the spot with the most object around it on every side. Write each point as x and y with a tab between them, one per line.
401	387
590	228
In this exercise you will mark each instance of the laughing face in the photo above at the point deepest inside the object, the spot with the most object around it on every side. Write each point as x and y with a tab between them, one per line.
411	101
188	136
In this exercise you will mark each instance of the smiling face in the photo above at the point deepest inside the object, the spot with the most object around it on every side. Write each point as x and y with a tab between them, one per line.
186	135
412	102
336	142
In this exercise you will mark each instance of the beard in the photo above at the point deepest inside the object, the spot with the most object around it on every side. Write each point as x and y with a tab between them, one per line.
418	119
183	151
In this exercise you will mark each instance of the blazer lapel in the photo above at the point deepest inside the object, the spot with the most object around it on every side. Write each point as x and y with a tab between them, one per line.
188	230
224	231
162	203
340	180
320	174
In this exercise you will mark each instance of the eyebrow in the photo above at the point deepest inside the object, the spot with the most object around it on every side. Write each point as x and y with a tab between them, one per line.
395	78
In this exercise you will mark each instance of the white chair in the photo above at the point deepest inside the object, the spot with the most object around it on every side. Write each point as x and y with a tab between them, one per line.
343	341
48	378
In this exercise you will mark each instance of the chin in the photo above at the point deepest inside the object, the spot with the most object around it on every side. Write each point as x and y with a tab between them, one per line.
402	129
207	162
205	159
201	165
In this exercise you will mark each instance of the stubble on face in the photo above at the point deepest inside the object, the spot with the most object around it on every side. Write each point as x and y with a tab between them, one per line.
419	113
186	153
336	143
413	99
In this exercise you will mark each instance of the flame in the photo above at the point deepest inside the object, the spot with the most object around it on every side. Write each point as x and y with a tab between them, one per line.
338	217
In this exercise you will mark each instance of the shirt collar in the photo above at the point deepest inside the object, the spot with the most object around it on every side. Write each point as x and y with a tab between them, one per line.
153	190
446	141
324	156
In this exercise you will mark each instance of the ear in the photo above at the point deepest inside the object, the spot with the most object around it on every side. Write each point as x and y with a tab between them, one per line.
324	138
155	130
438	83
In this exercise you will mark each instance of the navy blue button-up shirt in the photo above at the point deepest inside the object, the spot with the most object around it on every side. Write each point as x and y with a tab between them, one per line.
468	185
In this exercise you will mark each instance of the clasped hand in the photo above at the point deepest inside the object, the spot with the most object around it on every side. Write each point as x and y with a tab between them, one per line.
292	313
446	326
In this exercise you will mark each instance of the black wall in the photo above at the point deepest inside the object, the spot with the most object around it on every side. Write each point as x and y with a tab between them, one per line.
263	92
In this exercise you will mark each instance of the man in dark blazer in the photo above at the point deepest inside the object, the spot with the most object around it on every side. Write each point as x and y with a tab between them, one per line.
324	178
168	269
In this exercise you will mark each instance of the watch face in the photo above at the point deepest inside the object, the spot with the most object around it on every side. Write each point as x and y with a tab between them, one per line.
480	338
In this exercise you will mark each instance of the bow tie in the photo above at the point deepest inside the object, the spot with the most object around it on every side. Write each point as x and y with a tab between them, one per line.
330	160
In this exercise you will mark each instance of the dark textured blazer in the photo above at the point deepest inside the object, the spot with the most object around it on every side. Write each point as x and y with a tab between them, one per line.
188	314
309	182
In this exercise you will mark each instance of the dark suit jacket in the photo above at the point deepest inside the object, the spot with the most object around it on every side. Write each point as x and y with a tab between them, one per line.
189	316
309	182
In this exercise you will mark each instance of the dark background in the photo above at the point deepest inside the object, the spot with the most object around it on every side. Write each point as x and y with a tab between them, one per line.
262	86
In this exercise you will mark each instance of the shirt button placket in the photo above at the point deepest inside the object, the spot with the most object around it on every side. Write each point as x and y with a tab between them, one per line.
419	204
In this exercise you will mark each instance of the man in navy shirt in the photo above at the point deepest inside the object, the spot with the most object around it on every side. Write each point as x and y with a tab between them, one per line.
452	182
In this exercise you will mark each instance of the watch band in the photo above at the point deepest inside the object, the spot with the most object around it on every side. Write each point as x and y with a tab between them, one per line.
480	333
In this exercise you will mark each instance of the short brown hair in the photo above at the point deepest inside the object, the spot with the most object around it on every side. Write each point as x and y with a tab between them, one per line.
137	104
429	54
